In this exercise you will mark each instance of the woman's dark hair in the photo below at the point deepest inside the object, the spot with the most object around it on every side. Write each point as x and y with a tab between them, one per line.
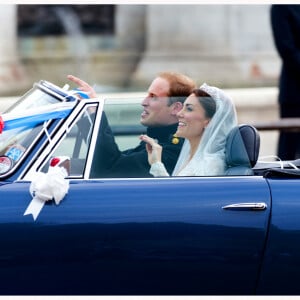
207	102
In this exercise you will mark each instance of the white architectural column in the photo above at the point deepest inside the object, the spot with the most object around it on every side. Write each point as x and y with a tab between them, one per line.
130	27
12	77
221	44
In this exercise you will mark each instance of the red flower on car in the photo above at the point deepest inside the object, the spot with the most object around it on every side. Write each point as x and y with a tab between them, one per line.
1	124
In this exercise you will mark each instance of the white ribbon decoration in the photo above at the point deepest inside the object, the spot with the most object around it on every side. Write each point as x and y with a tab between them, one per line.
46	187
34	207
56	107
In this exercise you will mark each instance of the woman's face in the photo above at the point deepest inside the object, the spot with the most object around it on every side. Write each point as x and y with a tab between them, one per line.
192	119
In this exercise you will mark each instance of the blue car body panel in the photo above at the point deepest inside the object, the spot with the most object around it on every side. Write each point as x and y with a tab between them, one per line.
135	237
280	270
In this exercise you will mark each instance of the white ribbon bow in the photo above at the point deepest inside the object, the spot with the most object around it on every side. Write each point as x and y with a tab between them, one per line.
48	186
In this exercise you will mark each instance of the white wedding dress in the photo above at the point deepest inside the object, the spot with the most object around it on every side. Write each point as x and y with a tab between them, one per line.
209	159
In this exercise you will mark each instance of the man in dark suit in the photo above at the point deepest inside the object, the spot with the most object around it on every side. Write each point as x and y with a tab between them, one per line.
164	100
285	21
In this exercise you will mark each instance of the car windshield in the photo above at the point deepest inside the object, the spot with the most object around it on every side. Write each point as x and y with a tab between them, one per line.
41	94
23	121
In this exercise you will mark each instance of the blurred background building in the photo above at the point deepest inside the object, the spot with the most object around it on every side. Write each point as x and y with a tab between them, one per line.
122	47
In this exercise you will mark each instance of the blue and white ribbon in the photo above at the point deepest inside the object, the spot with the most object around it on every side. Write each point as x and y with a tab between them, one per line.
32	117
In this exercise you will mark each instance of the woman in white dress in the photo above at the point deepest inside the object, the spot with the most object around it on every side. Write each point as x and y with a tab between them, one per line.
205	121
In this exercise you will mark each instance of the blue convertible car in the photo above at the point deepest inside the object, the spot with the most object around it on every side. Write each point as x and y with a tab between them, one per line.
237	234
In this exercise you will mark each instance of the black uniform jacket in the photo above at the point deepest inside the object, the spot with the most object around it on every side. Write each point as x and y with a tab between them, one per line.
109	161
285	21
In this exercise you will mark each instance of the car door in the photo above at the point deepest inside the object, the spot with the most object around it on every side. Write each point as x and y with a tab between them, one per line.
136	236
280	270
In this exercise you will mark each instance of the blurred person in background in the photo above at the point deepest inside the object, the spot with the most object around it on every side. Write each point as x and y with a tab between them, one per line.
285	23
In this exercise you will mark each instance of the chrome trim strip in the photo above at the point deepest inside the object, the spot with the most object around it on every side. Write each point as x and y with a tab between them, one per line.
91	150
246	206
48	88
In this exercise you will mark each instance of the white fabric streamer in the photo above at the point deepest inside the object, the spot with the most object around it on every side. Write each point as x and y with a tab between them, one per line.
49	186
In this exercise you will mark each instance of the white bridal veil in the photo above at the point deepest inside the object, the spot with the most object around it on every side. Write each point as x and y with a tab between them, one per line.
209	158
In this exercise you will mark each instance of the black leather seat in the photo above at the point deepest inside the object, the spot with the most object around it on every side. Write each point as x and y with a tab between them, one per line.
242	150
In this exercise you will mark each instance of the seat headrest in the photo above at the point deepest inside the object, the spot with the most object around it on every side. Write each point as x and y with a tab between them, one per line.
242	146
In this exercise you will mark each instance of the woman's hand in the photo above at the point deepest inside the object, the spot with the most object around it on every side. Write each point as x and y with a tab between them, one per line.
83	86
154	150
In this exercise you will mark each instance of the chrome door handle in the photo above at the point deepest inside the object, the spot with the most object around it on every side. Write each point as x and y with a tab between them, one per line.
246	206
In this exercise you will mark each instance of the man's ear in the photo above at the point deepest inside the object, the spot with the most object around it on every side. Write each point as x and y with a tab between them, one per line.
177	107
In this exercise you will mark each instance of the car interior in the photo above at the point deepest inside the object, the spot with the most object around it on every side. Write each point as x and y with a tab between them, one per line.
242	150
